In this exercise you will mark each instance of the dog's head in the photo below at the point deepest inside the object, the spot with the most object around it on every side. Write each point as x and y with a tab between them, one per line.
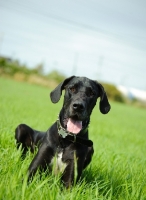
80	98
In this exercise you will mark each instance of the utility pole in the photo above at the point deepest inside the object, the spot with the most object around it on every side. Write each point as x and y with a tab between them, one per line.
100	64
75	64
1	41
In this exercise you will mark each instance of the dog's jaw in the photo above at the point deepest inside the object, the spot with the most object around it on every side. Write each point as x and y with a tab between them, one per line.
74	131
74	126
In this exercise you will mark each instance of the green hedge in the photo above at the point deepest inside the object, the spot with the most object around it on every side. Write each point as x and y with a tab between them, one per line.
13	67
113	93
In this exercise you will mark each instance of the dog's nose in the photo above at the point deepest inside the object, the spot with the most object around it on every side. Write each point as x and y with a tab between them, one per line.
78	106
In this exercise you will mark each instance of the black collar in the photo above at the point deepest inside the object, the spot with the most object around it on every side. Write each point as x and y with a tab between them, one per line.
72	137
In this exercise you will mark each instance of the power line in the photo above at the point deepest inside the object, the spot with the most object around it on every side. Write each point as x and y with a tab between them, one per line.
27	9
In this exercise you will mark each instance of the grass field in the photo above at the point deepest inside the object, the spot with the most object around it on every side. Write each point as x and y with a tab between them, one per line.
118	168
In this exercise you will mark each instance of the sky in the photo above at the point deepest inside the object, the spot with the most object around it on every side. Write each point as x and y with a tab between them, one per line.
103	40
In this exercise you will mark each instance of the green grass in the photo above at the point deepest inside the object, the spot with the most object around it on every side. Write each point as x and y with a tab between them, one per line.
118	168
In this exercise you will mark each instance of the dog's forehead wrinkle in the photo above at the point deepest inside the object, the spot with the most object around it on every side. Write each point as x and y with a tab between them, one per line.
82	84
80	80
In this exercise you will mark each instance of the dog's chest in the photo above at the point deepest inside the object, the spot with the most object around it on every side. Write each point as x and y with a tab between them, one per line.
57	164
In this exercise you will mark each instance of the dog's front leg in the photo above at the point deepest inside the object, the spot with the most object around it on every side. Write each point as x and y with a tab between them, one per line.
41	160
88	157
68	174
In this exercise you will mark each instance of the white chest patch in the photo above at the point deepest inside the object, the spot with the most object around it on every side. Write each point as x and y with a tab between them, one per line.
57	165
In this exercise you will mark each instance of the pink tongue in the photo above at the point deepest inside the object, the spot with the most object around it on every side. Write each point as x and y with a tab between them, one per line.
74	126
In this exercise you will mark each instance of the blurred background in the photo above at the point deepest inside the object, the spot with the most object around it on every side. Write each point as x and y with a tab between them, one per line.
53	39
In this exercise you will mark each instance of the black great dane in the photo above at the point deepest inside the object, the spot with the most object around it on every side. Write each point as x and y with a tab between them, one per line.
66	141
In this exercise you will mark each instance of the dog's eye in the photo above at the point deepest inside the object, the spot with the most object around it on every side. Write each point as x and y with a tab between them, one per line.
72	89
90	93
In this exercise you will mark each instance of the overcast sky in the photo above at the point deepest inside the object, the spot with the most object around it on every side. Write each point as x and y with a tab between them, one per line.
103	40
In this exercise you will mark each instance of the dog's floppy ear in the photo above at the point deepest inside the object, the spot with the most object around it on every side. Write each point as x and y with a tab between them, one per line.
57	92
104	105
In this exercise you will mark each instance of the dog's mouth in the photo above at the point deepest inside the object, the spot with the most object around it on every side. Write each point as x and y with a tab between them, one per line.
73	125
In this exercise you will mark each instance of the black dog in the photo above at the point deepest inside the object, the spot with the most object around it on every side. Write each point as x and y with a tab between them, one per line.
67	139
